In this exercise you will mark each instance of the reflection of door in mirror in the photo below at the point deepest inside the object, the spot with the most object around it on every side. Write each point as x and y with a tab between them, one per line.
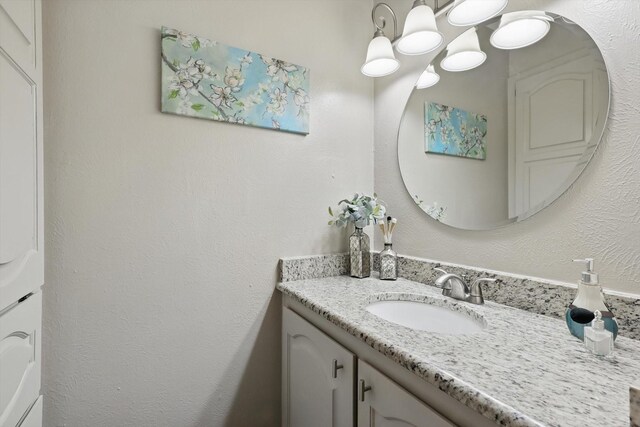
553	109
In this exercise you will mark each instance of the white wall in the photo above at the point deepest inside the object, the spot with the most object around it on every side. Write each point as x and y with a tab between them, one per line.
560	42
599	216
480	195
164	232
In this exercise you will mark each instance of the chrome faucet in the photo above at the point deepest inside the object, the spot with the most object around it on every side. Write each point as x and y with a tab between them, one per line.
455	286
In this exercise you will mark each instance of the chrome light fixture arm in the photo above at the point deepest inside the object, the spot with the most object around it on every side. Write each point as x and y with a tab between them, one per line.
436	4
380	28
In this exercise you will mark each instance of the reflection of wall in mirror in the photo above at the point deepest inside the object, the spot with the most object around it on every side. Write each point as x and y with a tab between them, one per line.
473	194
553	88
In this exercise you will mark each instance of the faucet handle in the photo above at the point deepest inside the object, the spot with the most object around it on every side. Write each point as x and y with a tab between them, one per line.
476	290
475	295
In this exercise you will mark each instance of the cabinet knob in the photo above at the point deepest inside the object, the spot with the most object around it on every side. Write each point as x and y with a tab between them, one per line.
363	389
335	367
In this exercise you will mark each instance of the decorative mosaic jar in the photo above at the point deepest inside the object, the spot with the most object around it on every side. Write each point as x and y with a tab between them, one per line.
360	255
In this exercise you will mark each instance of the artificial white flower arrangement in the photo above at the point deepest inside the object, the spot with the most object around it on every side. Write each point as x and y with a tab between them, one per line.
361	210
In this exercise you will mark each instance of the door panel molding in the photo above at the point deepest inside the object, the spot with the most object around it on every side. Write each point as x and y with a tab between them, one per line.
20	341
19	28
21	156
555	129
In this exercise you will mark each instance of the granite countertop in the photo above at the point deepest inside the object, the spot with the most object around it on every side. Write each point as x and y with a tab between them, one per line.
523	369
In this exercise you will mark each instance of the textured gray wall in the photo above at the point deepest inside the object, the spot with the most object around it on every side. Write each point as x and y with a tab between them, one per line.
163	232
599	216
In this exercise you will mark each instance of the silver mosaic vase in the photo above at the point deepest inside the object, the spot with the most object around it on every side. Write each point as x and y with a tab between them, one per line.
388	263
360	256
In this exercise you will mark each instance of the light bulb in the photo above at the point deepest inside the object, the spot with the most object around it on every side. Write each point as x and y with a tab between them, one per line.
464	53
420	34
428	78
520	29
472	12
380	58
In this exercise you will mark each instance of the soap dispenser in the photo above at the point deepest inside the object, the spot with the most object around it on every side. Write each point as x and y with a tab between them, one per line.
590	297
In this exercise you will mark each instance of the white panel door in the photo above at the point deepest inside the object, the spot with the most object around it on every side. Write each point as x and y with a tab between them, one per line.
383	403
19	359
553	125
317	377
21	202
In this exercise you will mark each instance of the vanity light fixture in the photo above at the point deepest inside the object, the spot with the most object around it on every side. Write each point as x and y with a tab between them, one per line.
472	12
464	53
520	29
380	58
420	34
428	78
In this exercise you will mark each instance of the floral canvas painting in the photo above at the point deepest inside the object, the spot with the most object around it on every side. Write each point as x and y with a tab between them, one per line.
452	131
209	80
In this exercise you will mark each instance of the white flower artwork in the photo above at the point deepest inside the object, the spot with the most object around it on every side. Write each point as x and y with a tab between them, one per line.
206	79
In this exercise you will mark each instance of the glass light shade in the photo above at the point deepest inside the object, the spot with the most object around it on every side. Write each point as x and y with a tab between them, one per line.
464	53
428	78
473	12
380	58
520	29
420	34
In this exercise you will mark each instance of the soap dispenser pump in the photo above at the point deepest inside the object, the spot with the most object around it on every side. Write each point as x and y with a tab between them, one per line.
589	297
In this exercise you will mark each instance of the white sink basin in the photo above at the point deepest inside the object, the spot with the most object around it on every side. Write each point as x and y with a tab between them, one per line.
426	317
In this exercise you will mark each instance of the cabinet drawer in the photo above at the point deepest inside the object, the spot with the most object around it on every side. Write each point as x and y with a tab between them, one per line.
20	329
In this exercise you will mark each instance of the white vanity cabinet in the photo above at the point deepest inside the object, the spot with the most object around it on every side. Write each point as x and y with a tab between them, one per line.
313	397
383	403
320	385
318	377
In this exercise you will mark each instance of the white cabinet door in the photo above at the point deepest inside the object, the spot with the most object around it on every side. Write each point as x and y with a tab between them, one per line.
19	359
383	403
21	202
34	417
317	377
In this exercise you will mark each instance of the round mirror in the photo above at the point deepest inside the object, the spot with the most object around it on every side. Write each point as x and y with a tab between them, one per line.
501	139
